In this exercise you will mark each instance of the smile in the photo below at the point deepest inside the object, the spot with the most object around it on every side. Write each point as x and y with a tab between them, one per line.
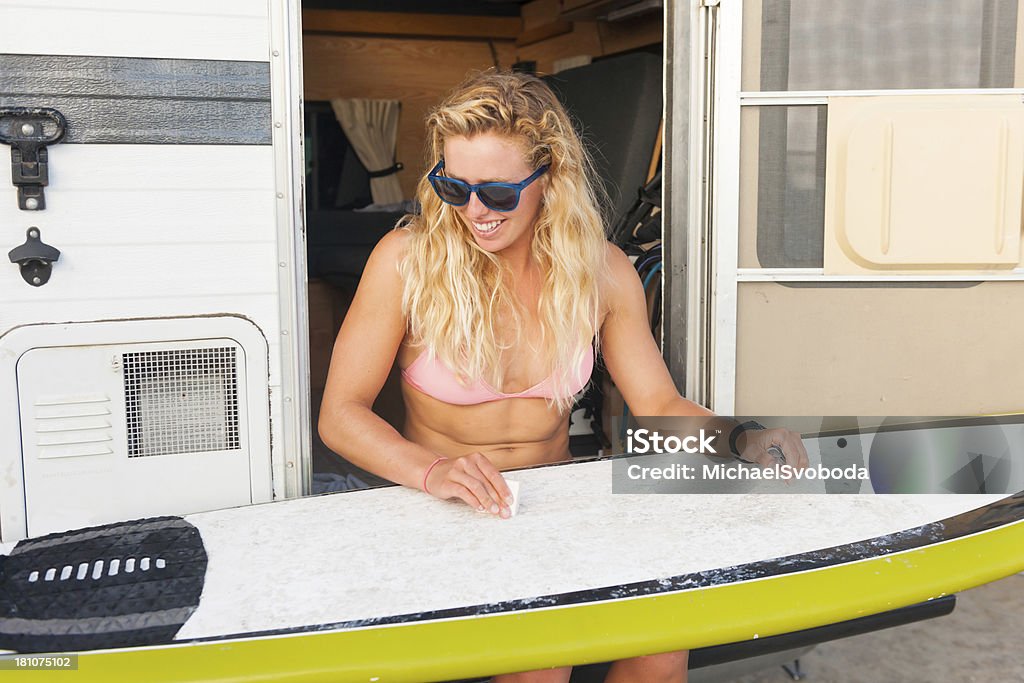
488	227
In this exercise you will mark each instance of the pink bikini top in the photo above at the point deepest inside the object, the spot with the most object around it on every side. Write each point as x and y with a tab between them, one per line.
432	377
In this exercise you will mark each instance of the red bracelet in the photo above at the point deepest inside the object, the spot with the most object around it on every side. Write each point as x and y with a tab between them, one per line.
427	473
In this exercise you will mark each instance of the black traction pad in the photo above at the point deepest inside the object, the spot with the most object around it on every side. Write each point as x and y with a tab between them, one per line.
118	585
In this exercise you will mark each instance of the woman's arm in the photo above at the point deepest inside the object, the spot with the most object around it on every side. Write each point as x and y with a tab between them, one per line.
630	352
364	352
639	371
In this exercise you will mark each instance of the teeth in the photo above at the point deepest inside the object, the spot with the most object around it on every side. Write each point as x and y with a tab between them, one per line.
487	227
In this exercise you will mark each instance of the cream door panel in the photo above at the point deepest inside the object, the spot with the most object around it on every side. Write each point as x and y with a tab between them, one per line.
924	183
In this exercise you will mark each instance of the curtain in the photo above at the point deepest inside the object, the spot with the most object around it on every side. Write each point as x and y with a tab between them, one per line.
371	126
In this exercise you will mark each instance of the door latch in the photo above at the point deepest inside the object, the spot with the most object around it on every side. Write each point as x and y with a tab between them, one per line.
28	130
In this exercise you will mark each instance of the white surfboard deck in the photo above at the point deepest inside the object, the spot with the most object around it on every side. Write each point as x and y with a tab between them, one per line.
393	551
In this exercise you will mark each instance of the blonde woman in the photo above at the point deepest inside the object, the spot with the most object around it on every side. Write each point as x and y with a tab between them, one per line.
493	300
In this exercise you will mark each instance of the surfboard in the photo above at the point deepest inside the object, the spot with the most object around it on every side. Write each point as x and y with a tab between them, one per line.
391	584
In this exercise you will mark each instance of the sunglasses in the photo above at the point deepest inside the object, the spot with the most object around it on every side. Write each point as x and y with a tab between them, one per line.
495	196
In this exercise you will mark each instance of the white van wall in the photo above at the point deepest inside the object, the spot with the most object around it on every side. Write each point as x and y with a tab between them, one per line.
153	229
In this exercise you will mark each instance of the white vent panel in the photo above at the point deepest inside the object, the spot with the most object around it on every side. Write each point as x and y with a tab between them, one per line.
123	430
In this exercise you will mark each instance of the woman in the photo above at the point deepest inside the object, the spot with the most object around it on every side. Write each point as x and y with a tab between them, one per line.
493	300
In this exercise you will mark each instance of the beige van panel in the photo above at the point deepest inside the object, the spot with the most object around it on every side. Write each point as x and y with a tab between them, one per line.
1018	57
928	350
750	67
750	124
924	183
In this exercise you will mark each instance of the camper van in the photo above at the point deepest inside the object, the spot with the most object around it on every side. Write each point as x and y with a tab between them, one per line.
195	189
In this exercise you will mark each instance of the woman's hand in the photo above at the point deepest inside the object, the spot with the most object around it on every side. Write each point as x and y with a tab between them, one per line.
475	480
770	447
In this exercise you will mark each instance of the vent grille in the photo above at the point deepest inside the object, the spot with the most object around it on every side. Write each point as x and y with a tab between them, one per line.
181	401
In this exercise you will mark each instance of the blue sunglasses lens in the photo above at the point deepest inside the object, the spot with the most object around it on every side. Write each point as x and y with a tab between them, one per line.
494	197
450	191
498	198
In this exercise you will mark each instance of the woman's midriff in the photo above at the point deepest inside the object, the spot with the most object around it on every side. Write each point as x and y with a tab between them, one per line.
513	432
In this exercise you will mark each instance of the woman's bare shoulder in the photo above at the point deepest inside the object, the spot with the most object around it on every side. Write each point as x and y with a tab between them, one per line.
388	255
619	275
618	263
393	245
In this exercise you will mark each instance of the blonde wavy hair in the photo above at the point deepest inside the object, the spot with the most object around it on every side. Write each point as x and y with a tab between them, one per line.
455	292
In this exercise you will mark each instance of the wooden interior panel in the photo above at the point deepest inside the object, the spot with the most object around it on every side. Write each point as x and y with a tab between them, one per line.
417	72
583	40
404	23
629	34
544	32
546	40
540	12
568	5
